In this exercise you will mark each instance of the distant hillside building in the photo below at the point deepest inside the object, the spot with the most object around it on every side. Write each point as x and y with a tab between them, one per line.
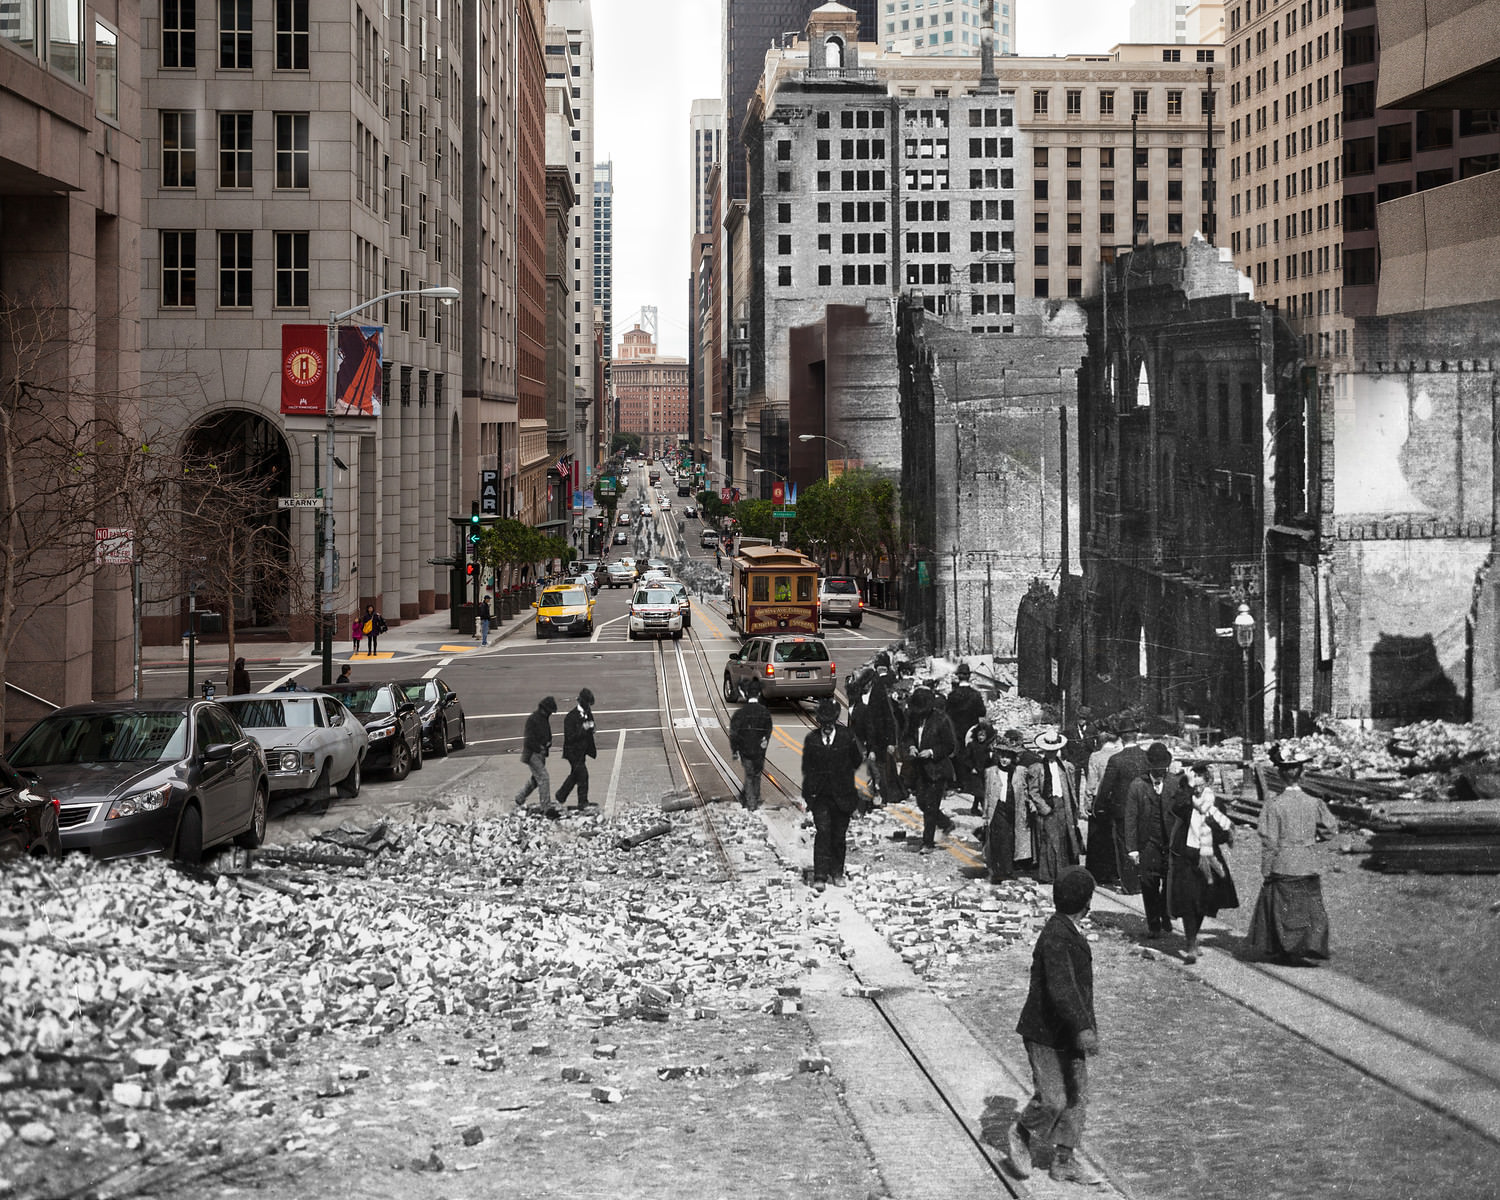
651	392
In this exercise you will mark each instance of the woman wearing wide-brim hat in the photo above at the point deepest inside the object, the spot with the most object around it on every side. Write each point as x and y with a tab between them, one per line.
1290	924
1050	795
1003	828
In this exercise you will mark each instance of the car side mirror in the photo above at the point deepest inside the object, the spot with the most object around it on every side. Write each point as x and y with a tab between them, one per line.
218	752
406	707
335	720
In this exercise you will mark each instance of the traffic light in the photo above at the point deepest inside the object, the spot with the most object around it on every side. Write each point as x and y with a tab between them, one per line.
470	569
473	524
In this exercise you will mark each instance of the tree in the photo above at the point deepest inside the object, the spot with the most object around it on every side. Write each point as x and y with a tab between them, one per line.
755	518
630	443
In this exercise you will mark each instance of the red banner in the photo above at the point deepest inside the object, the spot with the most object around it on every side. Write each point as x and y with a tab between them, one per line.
304	382
304	379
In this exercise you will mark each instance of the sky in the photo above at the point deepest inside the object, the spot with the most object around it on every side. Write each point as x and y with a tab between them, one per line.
653	58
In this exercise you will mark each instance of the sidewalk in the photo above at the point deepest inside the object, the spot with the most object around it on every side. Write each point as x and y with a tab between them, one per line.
421	636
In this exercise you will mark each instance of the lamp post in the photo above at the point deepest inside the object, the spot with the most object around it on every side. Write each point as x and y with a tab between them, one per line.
1244	635
330	398
823	437
782	478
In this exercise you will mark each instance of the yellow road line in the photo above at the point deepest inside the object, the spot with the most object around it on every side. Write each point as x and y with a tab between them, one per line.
698	616
911	818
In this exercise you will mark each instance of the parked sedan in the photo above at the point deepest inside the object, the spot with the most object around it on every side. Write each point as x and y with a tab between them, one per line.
148	777
311	742
391	723
619	574
28	816
441	711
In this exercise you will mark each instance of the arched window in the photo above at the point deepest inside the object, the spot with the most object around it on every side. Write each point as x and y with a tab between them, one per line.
833	52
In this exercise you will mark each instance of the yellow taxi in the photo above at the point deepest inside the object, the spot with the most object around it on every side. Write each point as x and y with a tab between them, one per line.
565	609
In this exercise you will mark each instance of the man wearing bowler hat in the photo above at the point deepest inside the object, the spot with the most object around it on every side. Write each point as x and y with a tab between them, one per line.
1148	833
1123	769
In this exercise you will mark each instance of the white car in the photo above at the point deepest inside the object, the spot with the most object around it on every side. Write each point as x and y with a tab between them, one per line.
312	742
654	612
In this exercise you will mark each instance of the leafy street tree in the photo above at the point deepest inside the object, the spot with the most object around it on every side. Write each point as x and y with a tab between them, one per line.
630	443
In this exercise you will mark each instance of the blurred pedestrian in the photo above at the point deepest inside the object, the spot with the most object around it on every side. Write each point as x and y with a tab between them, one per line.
749	737
1093	775
578	748
1000	797
356	631
1148	806
929	763
239	684
534	748
345	674
972	762
830	757
1199	884
1290	924
1051	795
1059	1031
1124	767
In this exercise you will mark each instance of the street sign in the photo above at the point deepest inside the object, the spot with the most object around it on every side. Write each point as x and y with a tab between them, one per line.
783	537
489	493
300	502
784	514
113	546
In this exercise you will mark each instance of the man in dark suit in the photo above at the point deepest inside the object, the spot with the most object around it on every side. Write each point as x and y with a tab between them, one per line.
884	730
535	744
1126	766
830	756
1059	1030
965	710
749	737
1148	833
929	763
578	748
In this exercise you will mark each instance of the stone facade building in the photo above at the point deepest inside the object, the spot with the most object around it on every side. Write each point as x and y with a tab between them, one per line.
531	208
70	234
651	391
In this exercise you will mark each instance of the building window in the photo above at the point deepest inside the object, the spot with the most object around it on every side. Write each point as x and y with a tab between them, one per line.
236	273
291	270
784	243
1174	223
1394	144
235	156
235	23
784	214
825	276
784	276
1075	102
292	157
179	33
784	180
291	35
179	149
179	268
1171	56
1039	103
1107	102
106	72
1142	102
1174	103
1039	256
1106	222
1039	287
783	151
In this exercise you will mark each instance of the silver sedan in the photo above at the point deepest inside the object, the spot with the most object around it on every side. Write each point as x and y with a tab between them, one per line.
312	742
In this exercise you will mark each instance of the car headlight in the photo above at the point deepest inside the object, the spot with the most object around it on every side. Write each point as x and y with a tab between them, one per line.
141	802
377	732
286	760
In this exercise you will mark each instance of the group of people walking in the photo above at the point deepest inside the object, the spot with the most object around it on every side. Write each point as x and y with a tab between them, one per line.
578	748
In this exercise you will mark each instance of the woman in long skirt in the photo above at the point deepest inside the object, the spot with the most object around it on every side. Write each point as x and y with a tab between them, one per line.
1199	884
1290	924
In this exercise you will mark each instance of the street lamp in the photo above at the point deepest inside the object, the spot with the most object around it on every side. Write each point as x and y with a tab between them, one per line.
330	398
1244	635
823	437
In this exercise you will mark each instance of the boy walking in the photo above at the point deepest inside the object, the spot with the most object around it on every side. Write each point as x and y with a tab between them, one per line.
1059	1030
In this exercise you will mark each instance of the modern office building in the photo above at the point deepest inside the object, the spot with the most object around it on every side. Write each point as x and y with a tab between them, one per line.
531	192
70	187
1159	20
652	392
935	28
604	266
301	167
570	32
706	148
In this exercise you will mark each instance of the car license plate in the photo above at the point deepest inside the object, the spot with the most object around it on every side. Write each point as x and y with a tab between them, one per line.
804	674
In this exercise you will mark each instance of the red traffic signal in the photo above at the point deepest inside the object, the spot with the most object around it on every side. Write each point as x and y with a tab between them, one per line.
470	569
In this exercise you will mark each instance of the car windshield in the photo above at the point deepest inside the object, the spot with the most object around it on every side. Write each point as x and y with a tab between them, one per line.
102	738
274	714
419	692
654	596
368	700
801	652
843	587
563	597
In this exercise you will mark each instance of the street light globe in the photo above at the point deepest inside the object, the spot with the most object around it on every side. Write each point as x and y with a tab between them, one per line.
440	293
806	437
1244	627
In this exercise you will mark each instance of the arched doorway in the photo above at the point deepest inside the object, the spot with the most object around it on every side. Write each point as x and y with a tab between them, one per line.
239	544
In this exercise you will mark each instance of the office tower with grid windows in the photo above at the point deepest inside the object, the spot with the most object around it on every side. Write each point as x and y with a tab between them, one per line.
705	149
1159	20
935	28
604	257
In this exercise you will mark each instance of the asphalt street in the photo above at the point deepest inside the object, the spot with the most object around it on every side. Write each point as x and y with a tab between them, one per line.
500	687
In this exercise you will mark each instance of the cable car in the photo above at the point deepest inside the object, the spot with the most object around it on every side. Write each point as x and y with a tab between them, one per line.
773	590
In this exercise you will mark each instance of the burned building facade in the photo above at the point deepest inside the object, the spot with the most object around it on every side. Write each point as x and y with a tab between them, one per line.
1200	435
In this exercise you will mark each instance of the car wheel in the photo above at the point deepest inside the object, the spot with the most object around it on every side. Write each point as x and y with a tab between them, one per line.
539	631
189	846
731	693
677	635
855	624
349	784
632	635
256	834
400	761
416	753
463	730
440	743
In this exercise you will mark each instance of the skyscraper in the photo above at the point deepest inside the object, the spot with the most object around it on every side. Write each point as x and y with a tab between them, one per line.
604	207
751	27
1159	20
706	131
947	27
